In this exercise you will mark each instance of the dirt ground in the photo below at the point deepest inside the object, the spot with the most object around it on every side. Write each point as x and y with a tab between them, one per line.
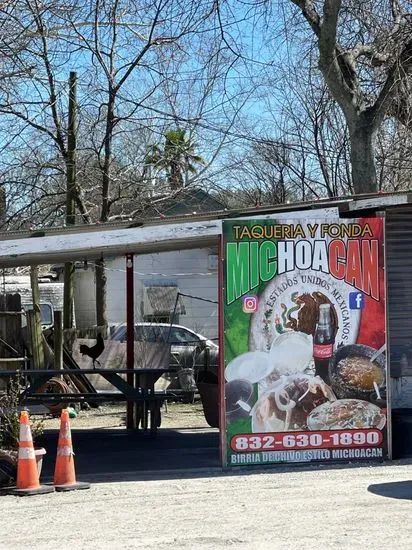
174	415
282	508
314	508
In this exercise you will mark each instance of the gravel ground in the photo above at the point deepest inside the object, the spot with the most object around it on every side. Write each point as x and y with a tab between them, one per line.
176	415
345	508
285	508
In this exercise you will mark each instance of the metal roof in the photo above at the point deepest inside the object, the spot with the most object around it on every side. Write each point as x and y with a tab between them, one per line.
45	246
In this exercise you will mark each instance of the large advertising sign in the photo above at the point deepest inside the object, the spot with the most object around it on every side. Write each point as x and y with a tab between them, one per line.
304	341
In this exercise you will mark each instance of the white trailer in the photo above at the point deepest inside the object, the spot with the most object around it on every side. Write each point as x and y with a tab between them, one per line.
51	295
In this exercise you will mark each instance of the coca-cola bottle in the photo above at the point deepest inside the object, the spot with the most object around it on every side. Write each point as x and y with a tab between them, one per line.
323	341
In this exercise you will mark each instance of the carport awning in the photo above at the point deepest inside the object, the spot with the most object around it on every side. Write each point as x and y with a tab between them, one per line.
160	299
89	243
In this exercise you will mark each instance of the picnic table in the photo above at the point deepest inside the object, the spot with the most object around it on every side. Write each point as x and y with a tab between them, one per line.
141	391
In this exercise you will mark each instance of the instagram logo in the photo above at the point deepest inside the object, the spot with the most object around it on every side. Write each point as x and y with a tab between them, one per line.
250	304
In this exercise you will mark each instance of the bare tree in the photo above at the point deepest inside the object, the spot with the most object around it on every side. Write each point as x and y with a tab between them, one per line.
305	152
133	62
365	56
394	156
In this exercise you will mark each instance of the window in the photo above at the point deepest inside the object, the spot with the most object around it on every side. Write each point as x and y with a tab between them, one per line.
46	313
160	318
161	300
158	333
143	333
150	333
182	336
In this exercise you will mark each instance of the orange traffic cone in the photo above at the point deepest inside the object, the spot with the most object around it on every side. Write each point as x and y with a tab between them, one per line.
27	474
64	472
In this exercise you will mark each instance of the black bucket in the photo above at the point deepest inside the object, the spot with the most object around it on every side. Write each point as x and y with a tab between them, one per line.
402	433
208	387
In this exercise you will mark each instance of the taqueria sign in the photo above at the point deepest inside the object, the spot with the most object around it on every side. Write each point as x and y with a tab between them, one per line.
304	341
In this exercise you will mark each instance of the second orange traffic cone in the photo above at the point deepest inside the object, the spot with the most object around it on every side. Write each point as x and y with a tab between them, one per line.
27	473
64	472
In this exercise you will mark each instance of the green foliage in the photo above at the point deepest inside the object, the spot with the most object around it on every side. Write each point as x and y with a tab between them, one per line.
176	157
236	331
10	419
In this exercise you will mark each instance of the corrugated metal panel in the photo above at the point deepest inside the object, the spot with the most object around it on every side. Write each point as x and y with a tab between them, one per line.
183	233
399	281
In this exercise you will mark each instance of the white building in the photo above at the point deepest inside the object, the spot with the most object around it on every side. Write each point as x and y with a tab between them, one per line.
158	280
159	277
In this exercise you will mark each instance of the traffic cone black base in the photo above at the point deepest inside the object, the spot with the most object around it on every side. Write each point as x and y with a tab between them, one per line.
42	490
72	487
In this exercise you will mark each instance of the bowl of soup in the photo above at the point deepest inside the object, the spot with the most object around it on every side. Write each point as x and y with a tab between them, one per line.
354	375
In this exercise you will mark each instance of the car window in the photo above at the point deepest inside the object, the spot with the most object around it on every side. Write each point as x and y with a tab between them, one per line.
182	336
119	334
150	333
157	333
141	333
160	334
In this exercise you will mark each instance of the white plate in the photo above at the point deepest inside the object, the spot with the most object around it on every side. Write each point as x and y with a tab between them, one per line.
252	366
268	322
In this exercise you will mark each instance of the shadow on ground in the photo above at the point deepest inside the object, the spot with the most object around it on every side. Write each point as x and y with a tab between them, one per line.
395	489
113	455
117	454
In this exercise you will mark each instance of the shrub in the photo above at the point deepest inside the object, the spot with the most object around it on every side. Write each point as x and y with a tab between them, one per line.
10	418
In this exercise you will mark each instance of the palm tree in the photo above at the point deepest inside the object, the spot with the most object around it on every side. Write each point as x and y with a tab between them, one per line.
177	158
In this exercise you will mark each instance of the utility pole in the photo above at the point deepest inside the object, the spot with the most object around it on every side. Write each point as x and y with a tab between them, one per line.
70	192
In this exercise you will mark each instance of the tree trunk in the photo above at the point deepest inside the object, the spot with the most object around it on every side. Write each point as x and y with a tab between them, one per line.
362	146
108	153
176	178
101	279
68	303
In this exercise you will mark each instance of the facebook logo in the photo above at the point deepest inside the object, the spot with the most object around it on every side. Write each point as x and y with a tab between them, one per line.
356	300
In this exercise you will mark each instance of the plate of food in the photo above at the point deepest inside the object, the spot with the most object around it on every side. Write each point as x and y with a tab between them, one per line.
354	375
346	414
285	407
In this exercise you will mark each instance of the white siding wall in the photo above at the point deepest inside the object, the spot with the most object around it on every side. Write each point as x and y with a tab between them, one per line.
84	298
201	316
177	266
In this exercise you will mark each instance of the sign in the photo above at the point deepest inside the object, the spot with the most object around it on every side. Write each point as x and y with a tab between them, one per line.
304	341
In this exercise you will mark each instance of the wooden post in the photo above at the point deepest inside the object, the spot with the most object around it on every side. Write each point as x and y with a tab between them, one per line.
68	295
35	292
58	340
101	295
35	340
34	321
10	333
70	208
10	324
